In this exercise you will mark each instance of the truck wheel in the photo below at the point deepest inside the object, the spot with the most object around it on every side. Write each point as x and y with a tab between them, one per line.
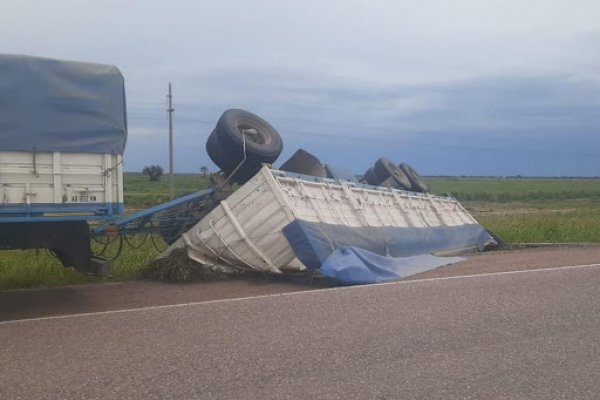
226	144
217	155
302	162
391	183
384	168
371	178
228	160
262	140
417	183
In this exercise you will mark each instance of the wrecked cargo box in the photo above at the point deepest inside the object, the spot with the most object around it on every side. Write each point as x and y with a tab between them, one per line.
308	216
283	222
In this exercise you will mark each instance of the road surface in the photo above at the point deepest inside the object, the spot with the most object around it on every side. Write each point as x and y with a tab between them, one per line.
32	303
499	335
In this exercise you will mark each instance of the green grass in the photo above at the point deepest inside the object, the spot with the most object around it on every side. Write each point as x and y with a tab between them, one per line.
516	189
530	210
137	252
519	210
545	227
139	192
30	268
19	269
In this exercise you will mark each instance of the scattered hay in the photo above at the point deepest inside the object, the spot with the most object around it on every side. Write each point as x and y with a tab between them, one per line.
178	267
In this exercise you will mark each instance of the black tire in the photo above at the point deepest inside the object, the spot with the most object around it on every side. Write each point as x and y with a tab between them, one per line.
391	183
416	182
262	140
371	178
226	144
224	160
302	162
215	151
384	168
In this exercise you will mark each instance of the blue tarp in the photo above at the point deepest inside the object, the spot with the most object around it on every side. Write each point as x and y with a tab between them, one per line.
354	266
314	242
358	255
54	105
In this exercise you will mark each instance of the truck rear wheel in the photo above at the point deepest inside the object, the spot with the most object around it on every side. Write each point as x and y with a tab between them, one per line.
225	145
385	168
391	183
416	182
371	178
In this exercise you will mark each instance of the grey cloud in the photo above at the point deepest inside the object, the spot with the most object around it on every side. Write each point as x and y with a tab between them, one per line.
351	124
436	83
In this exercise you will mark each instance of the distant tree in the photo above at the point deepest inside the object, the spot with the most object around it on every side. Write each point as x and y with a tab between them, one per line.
154	172
204	171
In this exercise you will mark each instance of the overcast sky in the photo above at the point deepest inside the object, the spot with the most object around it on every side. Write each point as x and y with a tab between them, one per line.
470	87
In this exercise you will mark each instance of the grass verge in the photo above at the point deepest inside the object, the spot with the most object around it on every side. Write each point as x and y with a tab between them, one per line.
30	268
578	226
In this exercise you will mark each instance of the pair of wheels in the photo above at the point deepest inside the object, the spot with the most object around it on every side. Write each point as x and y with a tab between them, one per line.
386	173
241	142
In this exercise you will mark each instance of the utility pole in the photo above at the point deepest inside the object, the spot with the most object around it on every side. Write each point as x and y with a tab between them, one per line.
170	111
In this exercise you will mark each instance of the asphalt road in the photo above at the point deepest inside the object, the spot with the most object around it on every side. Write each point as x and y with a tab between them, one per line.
524	335
43	302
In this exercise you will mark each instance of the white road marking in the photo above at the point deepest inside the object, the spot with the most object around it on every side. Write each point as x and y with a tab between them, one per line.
298	293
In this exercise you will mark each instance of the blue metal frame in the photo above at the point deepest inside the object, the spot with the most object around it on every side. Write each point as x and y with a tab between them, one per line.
147	213
37	212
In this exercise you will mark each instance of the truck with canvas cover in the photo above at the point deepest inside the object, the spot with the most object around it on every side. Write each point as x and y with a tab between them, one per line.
63	129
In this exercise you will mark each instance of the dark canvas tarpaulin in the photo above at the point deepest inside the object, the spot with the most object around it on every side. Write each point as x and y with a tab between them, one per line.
359	255
53	105
314	242
354	266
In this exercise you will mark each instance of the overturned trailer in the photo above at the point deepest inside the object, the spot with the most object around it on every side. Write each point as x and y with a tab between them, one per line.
284	222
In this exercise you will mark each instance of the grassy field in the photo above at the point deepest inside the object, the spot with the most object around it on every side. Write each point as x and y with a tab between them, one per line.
522	210
517	189
518	210
140	193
